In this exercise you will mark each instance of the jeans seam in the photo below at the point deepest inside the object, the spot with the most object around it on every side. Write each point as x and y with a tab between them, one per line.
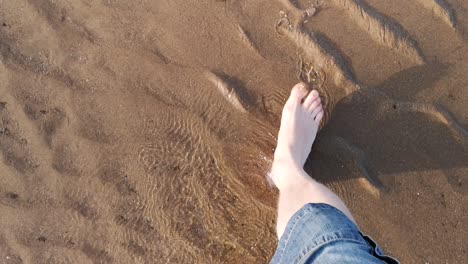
288	237
313	249
307	212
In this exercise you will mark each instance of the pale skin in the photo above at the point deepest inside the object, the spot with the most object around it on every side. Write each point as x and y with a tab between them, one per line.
300	121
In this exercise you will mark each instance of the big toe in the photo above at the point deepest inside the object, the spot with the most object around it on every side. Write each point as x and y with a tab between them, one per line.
298	92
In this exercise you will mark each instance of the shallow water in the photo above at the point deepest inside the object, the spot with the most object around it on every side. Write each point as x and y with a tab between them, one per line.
142	132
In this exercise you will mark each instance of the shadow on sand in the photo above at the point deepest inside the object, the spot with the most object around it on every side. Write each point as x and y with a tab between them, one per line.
382	131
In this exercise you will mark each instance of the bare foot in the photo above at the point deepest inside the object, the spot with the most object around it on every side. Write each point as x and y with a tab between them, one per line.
300	120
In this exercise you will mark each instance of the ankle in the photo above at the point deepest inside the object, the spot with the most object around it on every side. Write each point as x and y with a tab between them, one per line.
285	172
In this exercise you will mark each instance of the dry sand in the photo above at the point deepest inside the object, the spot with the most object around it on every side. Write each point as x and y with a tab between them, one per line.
138	131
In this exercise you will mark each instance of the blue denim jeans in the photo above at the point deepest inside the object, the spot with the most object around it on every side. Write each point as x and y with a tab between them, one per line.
320	233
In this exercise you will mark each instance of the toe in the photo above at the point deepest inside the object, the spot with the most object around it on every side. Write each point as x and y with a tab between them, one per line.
317	110
315	104
313	95
319	116
298	92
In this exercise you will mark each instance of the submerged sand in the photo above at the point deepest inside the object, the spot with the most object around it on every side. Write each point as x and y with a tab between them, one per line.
142	131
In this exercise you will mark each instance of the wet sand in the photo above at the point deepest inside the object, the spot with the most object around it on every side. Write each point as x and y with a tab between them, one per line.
142	131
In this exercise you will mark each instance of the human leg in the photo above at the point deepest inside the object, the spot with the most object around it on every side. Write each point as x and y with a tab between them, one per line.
300	121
